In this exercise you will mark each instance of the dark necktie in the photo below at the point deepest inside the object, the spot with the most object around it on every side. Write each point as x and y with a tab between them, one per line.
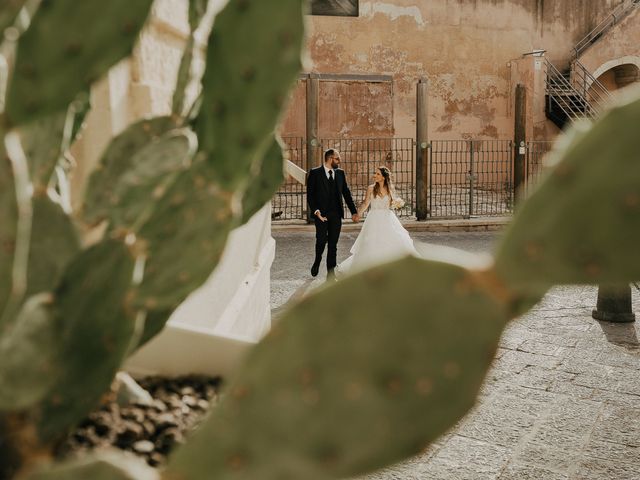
331	175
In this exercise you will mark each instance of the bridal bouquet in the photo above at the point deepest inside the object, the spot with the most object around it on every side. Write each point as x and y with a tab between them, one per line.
397	203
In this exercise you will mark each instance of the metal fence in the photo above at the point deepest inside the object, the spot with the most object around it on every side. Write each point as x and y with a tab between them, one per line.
536	151
466	178
360	157
470	178
290	202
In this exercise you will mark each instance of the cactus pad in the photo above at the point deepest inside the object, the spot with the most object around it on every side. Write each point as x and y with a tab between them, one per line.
360	375
83	39
54	242
152	170
580	225
116	162
28	352
94	325
253	59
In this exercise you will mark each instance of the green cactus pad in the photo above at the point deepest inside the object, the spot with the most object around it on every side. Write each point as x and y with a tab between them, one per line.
358	376
185	237
28	351
153	169
116	162
253	59
94	326
42	144
104	465
8	13
9	225
82	39
580	225
265	183
54	242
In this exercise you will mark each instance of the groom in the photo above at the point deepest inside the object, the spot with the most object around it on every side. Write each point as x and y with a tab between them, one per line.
326	186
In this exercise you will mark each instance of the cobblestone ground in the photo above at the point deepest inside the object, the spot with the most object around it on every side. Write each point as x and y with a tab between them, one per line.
561	402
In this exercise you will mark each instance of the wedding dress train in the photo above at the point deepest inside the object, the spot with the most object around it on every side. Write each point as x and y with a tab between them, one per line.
382	239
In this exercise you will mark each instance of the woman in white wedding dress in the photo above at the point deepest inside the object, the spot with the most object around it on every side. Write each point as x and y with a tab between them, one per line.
382	238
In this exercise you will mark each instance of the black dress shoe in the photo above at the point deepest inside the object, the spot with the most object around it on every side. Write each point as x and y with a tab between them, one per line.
314	269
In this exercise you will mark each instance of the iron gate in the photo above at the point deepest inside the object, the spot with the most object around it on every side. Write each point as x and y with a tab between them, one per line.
470	178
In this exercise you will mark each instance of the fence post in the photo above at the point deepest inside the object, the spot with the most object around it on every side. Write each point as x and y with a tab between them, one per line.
422	169
520	141
471	177
313	92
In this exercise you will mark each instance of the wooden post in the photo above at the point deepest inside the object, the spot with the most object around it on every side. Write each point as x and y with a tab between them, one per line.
422	142
313	92
520	141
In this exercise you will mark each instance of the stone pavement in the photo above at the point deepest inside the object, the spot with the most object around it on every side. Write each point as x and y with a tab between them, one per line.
561	402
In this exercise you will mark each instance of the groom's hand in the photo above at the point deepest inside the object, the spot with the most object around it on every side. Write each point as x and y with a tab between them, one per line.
355	218
319	215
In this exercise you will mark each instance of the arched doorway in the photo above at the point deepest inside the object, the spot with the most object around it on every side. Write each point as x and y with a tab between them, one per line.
620	76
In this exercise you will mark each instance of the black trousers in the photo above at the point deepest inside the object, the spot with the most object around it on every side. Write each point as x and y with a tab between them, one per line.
328	232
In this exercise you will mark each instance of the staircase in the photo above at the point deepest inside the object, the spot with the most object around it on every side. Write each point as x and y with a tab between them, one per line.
619	13
575	93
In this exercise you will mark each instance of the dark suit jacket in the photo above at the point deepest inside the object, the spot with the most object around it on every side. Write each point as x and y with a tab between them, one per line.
318	191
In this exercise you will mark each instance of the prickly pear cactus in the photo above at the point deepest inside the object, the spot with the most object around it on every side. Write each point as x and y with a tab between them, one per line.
71	313
362	374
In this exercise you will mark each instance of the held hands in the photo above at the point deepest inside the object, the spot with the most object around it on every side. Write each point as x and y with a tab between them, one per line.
355	217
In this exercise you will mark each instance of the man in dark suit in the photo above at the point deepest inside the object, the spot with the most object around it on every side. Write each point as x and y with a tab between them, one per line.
326	187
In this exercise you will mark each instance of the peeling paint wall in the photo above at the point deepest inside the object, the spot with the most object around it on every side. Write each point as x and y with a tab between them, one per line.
463	47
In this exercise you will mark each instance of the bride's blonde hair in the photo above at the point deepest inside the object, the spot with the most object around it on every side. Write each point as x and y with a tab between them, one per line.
386	173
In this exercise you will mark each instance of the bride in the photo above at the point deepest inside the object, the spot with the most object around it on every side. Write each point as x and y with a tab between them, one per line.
382	238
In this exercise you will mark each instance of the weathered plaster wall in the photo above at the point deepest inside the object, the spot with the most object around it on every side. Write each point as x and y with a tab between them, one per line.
462	46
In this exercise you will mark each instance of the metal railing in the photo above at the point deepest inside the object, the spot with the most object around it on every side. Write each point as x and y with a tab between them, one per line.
620	12
470	178
591	89
560	90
